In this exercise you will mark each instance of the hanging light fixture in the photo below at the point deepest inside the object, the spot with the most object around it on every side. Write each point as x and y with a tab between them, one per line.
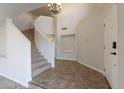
55	8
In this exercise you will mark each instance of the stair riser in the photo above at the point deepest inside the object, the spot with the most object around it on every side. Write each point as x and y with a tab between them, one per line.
34	49
40	70
38	64
37	56
38	60
35	53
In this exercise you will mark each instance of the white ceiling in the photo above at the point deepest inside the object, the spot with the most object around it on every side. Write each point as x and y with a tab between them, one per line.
14	9
41	11
67	7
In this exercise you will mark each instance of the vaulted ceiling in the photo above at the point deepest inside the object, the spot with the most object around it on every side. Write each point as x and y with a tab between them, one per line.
14	9
67	7
41	11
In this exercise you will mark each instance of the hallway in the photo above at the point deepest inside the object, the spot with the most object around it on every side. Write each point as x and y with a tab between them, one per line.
65	76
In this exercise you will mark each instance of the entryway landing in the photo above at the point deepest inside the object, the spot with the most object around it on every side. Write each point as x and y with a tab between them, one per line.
70	75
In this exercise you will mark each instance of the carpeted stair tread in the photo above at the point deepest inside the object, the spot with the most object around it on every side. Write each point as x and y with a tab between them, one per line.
35	59
39	63
41	69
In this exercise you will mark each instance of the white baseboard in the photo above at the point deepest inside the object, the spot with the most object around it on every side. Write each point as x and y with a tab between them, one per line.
67	59
91	67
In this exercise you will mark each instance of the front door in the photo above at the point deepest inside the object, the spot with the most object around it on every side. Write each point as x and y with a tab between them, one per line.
111	50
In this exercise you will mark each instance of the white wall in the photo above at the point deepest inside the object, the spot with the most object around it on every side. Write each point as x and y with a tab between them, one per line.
14	9
24	21
46	24
17	64
45	44
70	17
46	48
2	42
2	37
91	40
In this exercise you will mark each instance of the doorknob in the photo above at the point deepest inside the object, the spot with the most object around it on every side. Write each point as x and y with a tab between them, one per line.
113	53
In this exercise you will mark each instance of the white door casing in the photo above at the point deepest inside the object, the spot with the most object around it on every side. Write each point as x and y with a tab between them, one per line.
110	53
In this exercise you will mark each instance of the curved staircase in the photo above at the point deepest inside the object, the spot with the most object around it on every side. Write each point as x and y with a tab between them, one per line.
39	63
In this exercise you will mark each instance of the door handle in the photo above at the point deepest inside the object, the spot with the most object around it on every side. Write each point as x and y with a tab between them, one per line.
113	53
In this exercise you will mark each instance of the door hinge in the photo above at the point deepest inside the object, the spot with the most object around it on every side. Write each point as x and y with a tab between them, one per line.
104	69
104	47
104	25
115	65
